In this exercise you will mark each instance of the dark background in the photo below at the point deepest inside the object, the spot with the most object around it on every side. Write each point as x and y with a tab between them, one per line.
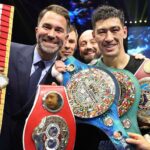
26	12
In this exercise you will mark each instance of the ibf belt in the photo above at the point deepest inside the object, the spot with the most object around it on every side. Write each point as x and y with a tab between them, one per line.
50	124
143	75
129	99
93	94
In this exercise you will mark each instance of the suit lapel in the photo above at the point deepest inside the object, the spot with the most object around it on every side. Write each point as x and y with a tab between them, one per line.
24	65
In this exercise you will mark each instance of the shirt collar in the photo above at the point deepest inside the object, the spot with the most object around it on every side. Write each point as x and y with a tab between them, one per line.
37	58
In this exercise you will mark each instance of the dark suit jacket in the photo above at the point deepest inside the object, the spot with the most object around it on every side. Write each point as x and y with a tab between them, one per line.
17	106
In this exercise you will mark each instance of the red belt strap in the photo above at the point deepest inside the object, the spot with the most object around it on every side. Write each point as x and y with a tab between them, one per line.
48	126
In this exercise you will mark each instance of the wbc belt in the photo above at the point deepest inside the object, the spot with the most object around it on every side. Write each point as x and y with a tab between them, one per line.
143	75
50	124
93	94
129	99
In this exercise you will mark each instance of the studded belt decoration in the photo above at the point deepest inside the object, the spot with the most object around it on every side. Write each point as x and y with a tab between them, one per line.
143	75
144	106
50	124
129	99
93	94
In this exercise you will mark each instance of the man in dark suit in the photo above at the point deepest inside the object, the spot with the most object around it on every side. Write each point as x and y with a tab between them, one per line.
51	33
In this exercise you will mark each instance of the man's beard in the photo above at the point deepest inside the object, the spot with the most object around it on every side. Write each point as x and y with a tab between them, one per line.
48	50
88	58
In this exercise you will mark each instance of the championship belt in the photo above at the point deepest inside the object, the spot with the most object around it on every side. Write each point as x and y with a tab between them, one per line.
50	124
144	70
6	22
143	75
93	94
129	99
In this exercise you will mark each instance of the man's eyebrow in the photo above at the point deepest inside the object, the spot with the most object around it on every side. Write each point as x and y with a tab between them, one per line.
47	24
102	28
115	26
112	27
59	27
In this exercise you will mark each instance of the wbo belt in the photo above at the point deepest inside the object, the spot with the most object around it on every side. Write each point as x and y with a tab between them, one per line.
143	75
93	95
50	124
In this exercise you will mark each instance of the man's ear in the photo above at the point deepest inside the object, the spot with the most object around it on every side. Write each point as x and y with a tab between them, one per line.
93	34
36	29
66	39
125	32
67	36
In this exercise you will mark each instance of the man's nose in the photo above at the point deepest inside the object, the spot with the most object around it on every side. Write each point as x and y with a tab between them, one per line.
89	45
67	45
109	36
51	33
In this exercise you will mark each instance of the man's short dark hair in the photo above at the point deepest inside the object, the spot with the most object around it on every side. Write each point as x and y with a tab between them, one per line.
73	28
105	12
58	10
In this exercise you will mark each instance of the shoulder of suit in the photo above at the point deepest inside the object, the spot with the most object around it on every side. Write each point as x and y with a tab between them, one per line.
20	46
17	50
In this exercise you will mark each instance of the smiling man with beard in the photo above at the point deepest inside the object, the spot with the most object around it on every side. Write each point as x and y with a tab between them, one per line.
88	47
51	32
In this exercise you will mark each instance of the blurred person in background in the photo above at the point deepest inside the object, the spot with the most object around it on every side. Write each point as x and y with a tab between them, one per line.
88	47
70	46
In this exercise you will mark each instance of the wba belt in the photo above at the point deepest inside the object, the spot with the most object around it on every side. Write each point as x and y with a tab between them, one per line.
93	95
143	75
50	124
